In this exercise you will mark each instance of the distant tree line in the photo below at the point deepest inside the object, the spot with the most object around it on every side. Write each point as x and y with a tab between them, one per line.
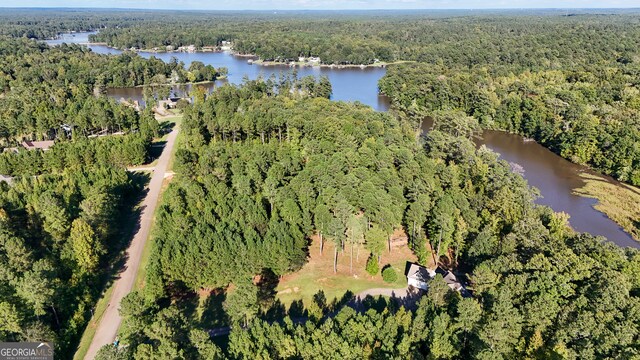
48	24
504	40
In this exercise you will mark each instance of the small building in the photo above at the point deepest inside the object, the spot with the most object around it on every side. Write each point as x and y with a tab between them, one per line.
225	45
7	179
171	102
167	104
42	145
450	279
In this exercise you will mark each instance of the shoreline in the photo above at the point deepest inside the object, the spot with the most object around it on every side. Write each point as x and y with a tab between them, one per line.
610	194
256	59
176	84
260	62
614	199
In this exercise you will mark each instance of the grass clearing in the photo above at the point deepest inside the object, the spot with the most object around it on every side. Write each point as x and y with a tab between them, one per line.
317	274
620	202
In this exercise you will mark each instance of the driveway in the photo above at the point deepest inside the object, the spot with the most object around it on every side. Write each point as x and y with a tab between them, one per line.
110	322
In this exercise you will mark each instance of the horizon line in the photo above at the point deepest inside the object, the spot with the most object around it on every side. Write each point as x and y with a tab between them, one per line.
636	7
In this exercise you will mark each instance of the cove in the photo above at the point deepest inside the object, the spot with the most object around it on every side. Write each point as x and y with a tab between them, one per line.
555	177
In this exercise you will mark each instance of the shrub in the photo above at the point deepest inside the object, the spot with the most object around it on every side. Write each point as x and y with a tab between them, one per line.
372	265
389	274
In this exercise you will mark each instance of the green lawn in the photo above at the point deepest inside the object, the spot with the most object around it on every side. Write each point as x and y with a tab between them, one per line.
317	274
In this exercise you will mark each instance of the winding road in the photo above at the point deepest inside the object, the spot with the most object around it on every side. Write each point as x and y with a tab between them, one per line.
108	326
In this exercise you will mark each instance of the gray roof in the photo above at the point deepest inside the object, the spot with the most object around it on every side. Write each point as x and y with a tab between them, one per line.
419	273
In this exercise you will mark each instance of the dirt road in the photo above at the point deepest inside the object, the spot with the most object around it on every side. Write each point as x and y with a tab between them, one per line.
108	326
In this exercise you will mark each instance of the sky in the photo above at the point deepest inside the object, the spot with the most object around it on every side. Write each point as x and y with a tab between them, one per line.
324	4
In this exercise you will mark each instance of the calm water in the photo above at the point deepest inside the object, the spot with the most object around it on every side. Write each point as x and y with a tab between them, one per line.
554	176
351	84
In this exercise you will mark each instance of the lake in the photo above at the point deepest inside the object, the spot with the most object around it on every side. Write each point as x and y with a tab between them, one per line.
554	176
349	84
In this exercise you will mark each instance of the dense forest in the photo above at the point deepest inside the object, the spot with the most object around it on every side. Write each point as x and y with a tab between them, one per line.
261	171
58	235
38	24
569	82
119	151
591	117
507	40
43	88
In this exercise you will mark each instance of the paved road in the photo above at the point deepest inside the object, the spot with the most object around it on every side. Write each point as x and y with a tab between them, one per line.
397	293
108	326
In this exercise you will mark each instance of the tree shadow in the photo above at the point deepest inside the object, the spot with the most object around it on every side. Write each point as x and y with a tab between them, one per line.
297	309
213	314
166	126
183	297
267	284
277	311
155	150
407	299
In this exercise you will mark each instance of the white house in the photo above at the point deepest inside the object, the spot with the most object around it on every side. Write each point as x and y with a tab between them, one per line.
420	276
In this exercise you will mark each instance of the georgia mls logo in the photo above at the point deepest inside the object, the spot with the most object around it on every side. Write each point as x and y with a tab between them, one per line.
26	351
